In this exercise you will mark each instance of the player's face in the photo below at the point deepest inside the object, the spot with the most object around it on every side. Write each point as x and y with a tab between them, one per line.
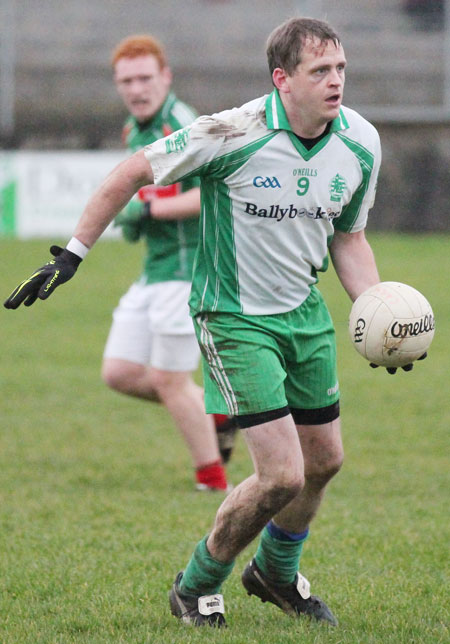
316	87
142	85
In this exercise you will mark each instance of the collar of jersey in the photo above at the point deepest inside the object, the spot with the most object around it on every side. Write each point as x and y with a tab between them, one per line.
277	120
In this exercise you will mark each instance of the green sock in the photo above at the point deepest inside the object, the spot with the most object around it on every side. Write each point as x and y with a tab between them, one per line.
204	575
279	558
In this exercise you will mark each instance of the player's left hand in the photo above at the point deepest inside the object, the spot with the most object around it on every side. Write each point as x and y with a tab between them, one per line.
406	367
44	281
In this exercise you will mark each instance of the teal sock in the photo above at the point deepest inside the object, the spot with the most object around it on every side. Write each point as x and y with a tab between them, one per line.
278	554
204	575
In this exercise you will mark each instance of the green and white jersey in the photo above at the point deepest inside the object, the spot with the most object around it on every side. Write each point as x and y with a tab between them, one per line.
269	205
170	244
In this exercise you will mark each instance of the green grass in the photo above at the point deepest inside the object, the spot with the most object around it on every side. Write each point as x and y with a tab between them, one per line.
97	511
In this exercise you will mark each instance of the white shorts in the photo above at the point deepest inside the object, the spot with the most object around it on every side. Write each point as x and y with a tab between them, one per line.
152	326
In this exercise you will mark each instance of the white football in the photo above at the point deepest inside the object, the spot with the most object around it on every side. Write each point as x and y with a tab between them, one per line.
391	324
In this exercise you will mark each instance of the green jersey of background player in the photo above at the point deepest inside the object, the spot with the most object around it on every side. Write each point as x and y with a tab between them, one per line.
284	179
151	349
170	245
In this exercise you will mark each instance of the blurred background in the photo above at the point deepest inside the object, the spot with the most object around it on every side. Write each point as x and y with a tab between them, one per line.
61	118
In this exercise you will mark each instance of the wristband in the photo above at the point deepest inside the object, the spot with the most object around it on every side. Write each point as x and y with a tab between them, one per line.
77	247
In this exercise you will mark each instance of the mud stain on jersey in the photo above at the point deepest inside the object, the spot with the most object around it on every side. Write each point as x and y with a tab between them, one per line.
217	129
225	130
261	115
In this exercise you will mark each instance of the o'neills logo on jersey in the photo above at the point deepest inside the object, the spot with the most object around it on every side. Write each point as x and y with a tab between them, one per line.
413	329
277	212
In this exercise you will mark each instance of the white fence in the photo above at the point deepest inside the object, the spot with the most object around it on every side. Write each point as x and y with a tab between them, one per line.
42	194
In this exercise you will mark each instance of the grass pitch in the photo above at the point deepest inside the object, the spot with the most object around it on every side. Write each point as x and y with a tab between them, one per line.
97	507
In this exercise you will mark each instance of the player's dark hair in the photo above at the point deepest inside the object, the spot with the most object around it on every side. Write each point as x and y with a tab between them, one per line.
286	42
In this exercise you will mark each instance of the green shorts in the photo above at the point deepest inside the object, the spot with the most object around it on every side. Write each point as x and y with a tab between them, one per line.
258	363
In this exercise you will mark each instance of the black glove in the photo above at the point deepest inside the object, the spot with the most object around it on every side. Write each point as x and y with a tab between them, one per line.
406	367
44	281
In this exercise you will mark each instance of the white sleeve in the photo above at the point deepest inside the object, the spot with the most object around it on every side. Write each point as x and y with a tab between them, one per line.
369	198
186	151
356	213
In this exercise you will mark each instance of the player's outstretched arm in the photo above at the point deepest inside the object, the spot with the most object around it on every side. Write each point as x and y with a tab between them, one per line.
111	197
117	189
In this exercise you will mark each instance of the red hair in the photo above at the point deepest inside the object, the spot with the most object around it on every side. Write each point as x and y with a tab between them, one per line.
135	46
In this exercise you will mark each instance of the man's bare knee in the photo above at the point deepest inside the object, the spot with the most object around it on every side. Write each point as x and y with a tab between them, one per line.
283	488
113	377
167	383
322	470
323	452
128	378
